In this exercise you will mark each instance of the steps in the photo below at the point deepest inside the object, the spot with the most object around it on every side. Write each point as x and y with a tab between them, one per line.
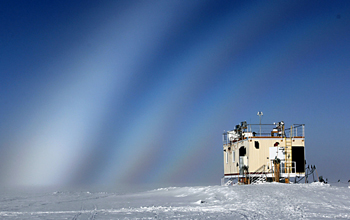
258	176
260	179
228	183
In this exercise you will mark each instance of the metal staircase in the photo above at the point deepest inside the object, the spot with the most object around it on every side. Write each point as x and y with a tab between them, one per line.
259	176
261	179
228	183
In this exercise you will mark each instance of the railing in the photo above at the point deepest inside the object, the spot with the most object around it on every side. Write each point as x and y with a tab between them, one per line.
266	130
297	130
284	168
260	130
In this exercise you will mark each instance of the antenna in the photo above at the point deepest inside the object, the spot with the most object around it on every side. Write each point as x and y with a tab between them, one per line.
260	114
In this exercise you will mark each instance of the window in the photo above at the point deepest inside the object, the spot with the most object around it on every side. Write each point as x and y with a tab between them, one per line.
256	144
226	157
242	151
233	156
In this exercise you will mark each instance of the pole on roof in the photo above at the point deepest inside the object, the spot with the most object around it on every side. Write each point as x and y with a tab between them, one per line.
260	114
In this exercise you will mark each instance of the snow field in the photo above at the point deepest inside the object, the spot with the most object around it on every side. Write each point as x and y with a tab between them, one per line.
262	201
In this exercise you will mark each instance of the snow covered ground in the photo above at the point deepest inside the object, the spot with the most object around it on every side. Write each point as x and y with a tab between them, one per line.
263	201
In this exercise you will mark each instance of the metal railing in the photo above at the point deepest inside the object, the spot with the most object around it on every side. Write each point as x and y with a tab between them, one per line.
296	130
267	130
284	168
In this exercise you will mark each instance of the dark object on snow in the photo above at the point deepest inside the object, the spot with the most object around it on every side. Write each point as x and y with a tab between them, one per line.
322	180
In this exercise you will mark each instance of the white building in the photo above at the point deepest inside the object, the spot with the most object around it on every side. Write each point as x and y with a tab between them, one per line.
251	149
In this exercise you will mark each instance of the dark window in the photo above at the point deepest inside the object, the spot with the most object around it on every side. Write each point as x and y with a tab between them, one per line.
242	151
257	144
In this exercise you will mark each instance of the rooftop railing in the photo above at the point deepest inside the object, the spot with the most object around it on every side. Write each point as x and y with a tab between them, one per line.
269	130
265	130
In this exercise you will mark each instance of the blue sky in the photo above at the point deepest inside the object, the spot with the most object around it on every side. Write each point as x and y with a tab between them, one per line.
124	92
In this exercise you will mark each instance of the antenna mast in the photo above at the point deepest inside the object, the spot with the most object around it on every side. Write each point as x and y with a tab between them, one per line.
260	114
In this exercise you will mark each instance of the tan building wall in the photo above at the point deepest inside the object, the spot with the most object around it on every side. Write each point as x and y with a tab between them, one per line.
255	157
